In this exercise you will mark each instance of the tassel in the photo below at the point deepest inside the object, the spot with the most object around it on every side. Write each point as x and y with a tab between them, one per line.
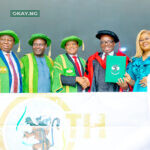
83	46
19	49
49	53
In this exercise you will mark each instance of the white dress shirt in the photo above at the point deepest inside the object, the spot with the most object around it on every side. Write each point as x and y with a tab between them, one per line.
110	54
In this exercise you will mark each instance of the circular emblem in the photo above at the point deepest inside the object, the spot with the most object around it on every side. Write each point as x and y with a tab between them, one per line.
34	124
115	70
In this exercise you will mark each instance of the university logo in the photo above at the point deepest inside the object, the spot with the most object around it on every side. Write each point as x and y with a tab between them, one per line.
34	124
115	69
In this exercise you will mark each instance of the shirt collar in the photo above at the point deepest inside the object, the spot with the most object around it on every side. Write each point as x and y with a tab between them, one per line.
6	52
73	55
39	57
111	53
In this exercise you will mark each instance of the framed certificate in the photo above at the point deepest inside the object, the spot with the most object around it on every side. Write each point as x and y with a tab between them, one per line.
115	68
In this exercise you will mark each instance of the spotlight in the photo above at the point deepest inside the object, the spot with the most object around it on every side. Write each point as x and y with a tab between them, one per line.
123	49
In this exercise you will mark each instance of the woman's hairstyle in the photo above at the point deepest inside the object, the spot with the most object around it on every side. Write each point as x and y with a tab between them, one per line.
139	51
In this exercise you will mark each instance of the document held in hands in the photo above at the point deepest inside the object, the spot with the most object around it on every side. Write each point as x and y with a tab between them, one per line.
115	68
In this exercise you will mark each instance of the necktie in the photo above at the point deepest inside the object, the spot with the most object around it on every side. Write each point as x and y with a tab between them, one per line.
77	65
15	88
105	57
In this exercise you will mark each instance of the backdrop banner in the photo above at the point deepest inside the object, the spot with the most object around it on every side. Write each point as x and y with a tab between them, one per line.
75	121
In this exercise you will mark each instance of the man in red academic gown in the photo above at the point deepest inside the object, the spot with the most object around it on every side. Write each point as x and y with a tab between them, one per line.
96	64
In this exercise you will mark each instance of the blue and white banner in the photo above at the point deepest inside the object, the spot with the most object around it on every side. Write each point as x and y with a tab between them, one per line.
74	121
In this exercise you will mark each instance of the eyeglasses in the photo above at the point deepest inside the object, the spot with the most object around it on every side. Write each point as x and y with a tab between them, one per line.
107	42
36	44
146	39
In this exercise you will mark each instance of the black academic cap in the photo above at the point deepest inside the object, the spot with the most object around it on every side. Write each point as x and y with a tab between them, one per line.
107	32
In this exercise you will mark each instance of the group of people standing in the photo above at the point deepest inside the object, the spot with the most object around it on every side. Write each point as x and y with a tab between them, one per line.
38	73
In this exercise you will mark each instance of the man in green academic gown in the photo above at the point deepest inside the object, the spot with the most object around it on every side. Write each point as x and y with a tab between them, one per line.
69	68
37	67
10	71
